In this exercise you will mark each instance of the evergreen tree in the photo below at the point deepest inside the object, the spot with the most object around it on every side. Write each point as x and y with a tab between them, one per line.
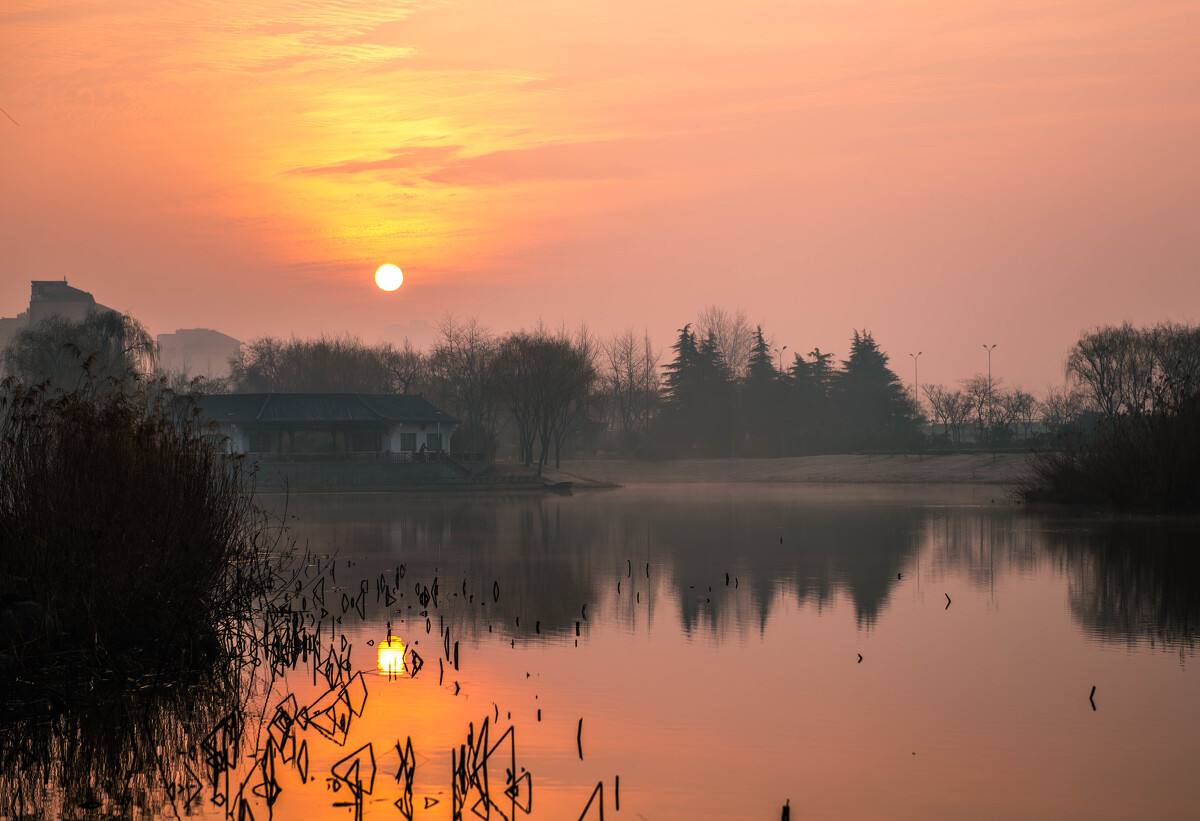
760	368
680	372
822	371
698	393
807	407
764	416
714	419
870	401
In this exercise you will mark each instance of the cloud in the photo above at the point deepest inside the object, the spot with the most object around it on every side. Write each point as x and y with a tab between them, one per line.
407	158
585	160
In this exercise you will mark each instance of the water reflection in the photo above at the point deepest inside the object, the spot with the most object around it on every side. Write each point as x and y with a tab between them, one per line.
389	657
1133	582
1130	581
603	604
120	753
722	558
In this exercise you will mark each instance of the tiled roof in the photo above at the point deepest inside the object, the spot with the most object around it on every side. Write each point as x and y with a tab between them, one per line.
245	408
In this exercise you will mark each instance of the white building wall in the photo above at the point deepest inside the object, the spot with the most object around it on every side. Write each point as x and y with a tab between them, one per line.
233	438
392	440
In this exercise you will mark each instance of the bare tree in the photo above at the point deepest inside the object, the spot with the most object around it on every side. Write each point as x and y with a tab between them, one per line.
1103	362
733	333
1062	408
516	381
408	366
1129	371
951	409
981	394
1018	407
324	364
572	393
462	376
546	382
940	401
630	383
1175	350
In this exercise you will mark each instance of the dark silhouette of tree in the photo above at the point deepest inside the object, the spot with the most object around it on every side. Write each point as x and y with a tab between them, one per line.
1144	450
715	410
951	410
680	371
808	408
823	371
462	380
327	364
873	408
763	401
547	383
699	394
630	386
732	334
106	348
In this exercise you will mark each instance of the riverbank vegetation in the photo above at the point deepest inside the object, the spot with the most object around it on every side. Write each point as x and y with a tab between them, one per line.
1143	452
540	395
129	545
1120	431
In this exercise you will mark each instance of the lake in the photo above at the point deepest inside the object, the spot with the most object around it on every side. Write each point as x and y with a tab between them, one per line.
858	651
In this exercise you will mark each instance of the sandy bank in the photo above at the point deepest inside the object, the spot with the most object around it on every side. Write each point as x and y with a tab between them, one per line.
1001	469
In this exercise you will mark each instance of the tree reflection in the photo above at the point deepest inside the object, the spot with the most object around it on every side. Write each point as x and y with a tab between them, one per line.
1133	581
551	557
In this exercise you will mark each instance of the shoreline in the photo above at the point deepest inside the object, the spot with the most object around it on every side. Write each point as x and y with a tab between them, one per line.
999	470
1004	469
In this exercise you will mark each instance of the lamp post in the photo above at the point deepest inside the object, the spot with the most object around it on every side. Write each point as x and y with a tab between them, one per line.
991	394
780	352
916	379
989	349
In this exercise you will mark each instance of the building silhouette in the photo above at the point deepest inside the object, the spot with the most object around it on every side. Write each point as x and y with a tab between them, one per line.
197	352
49	298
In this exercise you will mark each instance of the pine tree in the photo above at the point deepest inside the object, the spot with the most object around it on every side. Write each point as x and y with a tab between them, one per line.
681	371
714	419
763	416
869	397
760	367
822	371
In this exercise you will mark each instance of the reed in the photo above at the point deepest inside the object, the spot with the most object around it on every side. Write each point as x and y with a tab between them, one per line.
128	540
1148	463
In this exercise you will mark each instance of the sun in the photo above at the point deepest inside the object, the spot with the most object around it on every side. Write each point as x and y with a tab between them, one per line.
389	277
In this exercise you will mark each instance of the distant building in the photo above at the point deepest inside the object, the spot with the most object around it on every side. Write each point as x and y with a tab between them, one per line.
197	352
329	424
47	298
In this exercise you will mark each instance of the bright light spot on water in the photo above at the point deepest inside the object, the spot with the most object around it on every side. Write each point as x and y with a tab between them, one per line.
391	657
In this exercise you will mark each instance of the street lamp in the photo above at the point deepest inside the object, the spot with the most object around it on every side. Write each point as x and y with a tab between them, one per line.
780	352
989	349
991	394
916	380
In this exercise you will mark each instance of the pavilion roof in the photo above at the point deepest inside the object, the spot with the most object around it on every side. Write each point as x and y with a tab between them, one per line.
282	408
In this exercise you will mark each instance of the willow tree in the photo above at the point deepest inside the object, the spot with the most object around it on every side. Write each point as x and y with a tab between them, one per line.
105	348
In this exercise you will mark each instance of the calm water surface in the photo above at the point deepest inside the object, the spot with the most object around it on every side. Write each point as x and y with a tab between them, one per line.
722	699
709	640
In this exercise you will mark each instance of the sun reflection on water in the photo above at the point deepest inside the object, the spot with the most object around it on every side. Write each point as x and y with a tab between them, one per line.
391	657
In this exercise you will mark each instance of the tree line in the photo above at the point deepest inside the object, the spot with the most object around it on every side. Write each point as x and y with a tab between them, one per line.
722	389
538	394
1143	452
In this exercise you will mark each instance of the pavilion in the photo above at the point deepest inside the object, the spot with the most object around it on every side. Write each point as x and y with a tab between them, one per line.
333	425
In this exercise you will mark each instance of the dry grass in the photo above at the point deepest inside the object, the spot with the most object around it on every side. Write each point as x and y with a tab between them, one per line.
127	541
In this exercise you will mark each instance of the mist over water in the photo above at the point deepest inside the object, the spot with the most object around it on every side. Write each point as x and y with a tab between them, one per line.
716	699
864	652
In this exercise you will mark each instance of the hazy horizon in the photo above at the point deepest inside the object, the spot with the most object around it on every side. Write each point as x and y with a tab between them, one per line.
943	174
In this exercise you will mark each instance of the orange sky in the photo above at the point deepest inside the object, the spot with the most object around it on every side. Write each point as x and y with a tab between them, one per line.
944	172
